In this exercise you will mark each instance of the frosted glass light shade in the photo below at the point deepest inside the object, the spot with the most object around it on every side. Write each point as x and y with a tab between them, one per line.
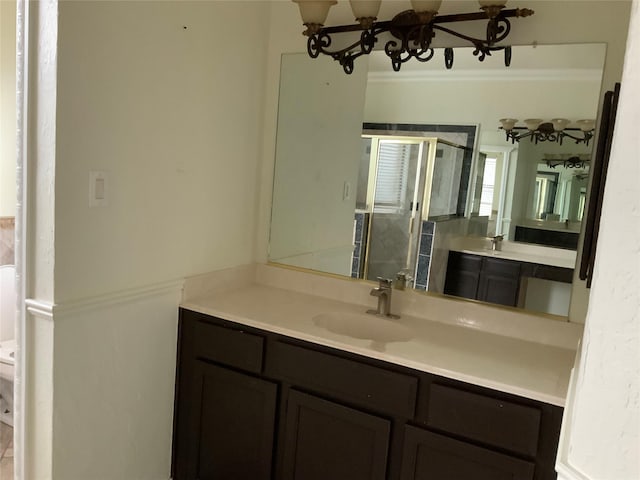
586	125
426	5
492	3
533	123
365	8
314	11
508	123
559	124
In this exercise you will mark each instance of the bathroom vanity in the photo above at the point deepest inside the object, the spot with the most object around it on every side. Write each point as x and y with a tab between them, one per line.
281	384
497	278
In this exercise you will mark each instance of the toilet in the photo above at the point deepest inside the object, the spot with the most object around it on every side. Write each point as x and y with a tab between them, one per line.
7	341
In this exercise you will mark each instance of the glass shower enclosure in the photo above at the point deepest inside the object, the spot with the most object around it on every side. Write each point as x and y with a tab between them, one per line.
409	179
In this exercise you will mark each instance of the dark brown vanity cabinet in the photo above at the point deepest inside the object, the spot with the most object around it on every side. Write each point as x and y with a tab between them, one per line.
254	405
481	278
495	280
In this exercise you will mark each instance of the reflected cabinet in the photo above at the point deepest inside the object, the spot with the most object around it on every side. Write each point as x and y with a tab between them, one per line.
254	405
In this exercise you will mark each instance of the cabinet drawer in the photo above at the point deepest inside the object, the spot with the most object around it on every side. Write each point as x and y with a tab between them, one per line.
228	346
549	272
485	419
505	268
350	380
465	262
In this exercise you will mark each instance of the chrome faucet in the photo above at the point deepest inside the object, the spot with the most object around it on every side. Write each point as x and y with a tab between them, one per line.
383	292
496	243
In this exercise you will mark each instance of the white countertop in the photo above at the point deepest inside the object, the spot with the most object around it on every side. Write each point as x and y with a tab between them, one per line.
525	257
534	370
519	251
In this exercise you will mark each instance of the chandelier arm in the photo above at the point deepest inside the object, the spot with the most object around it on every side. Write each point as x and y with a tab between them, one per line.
415	35
465	17
497	30
415	43
585	139
458	35
430	52
320	43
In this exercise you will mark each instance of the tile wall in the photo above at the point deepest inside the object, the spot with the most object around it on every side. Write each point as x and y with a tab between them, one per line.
424	254
7	240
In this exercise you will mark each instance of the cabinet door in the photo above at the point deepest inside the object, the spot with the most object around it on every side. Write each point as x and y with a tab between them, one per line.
499	282
428	456
463	273
231	426
325	441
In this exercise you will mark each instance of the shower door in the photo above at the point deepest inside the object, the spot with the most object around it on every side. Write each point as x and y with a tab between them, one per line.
395	206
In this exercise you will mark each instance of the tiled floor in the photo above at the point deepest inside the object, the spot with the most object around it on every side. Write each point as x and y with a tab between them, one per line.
6	452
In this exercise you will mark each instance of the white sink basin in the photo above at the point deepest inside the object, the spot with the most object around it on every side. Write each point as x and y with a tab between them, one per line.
363	326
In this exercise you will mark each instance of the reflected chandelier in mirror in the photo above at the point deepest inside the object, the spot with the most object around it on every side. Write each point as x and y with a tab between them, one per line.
556	130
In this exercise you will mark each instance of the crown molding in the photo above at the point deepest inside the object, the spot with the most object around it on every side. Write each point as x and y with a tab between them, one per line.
490	75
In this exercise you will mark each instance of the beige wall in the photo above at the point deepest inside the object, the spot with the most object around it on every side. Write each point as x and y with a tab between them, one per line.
153	94
7	108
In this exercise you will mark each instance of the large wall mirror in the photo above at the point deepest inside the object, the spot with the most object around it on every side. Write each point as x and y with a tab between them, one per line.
407	175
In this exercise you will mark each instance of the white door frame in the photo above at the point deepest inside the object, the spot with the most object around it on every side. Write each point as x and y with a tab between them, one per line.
507	161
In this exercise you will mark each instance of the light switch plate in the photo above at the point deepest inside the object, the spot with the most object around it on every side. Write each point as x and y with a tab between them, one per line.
98	189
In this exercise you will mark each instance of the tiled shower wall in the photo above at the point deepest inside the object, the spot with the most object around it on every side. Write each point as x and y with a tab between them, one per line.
359	244
424	254
7	240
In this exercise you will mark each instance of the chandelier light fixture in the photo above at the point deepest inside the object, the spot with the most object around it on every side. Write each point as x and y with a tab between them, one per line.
411	31
537	130
568	161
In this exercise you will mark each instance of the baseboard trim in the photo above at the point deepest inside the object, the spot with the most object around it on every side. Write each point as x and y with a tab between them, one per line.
567	472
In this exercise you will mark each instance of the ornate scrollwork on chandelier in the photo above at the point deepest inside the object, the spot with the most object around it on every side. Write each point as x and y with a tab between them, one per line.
412	31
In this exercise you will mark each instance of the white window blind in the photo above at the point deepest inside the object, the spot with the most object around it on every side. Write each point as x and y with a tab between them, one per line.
391	181
488	186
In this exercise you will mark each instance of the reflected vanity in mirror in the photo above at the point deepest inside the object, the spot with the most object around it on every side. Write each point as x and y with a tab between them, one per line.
400	174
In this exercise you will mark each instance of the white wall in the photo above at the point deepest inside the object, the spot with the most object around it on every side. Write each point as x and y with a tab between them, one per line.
7	108
152	94
114	387
602	425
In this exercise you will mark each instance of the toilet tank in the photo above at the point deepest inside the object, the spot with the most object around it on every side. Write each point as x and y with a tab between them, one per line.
8	302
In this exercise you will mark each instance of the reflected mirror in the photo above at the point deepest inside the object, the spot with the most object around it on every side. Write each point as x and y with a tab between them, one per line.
407	175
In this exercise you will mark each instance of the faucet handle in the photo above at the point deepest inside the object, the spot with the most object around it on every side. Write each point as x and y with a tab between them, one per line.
385	282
